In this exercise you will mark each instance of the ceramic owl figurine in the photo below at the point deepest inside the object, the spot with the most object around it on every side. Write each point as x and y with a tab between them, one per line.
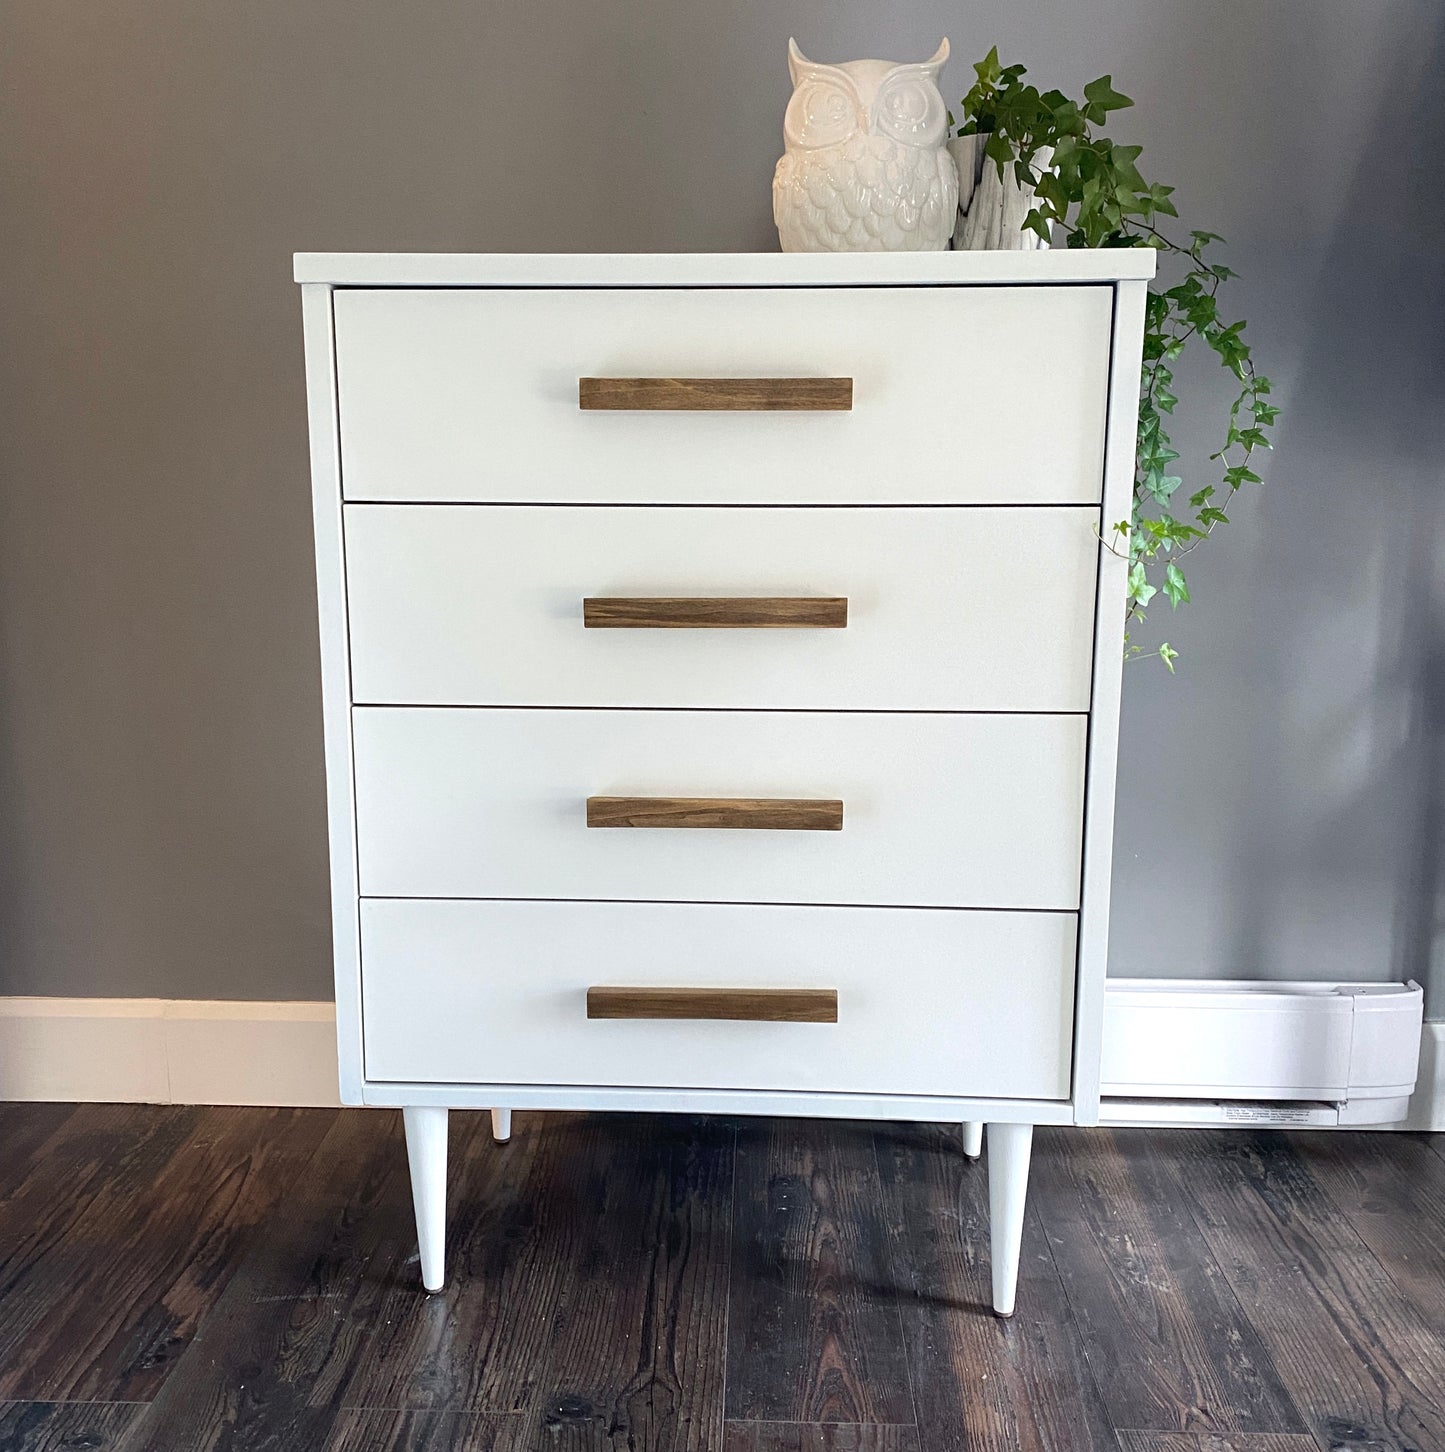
864	167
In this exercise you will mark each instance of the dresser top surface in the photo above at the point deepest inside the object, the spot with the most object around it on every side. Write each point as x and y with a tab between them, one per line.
721	269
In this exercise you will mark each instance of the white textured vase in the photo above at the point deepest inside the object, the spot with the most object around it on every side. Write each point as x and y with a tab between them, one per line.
864	166
991	209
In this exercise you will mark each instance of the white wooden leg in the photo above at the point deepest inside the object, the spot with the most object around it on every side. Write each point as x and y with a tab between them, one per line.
426	1153
973	1138
501	1125
1009	1147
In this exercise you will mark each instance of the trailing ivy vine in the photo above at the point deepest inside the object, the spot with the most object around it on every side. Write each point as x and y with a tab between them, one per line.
1089	193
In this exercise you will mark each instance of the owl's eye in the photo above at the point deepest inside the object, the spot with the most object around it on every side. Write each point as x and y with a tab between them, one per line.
910	109
826	109
907	106
821	113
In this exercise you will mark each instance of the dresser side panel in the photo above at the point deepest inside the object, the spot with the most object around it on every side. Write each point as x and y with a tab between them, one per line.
1103	749
320	341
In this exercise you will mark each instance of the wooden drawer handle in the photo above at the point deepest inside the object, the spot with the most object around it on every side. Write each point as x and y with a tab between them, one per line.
754	613
779	814
707	394
757	1005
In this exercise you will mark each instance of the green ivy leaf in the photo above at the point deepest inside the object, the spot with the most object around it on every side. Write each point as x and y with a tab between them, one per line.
1103	98
1094	195
1139	587
1168	655
1034	222
1175	588
998	150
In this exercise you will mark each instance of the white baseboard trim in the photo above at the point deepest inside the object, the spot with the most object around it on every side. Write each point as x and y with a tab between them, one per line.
168	1051
1427	1104
223	1051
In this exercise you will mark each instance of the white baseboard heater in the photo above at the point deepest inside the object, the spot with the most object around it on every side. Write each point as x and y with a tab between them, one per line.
1233	1052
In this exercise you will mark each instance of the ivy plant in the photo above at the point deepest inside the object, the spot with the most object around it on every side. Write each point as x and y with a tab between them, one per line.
1091	194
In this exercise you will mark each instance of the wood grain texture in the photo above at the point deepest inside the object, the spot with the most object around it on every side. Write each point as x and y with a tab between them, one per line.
813	1330
383	1430
818	1437
821	612
449	1352
45	1188
65	1426
1134	1440
759	1005
1391	1188
300	1306
1168	1345
54	1222
634	1222
712	394
770	814
613	1285
587	1291
981	1384
1362	1364
26	1131
104	1317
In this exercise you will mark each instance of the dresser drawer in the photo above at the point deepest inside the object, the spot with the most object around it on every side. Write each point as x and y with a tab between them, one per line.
948	1003
937	810
946	608
959	394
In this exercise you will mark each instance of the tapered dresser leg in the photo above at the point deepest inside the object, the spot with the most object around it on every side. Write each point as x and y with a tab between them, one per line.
1009	1147
426	1153
973	1138
501	1125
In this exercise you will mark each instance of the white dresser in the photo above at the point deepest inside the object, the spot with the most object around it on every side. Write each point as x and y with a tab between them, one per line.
721	676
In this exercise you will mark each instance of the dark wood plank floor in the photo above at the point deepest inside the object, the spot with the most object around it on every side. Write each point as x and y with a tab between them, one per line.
178	1280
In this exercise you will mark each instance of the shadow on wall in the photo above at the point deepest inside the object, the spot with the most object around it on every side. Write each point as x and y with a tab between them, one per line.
1320	733
1411	677
1371	387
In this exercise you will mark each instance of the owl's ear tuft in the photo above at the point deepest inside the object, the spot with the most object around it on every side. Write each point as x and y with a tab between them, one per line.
935	63
797	61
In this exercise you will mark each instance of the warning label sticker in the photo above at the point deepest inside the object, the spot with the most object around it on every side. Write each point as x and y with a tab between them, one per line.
1268	1113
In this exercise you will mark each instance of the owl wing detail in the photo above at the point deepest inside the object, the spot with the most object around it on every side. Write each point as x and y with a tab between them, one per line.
868	194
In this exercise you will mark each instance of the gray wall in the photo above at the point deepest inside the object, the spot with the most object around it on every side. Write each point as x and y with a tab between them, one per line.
161	829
